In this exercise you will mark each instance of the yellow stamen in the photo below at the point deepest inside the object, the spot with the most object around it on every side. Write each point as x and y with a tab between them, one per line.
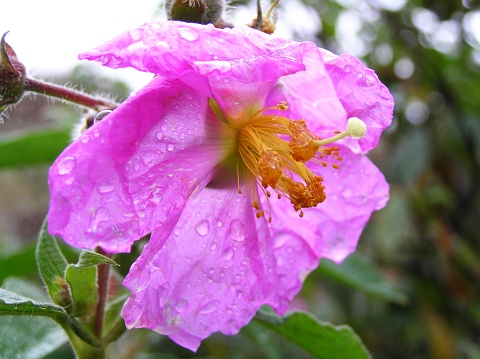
272	151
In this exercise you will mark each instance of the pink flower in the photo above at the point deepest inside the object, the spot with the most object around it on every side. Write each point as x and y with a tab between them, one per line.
222	116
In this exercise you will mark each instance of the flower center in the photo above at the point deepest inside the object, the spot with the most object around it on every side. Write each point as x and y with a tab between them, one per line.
272	151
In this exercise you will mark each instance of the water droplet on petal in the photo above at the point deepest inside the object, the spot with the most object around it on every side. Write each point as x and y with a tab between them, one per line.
188	34
66	165
159	135
177	231
219	223
202	228
210	307
170	147
84	138
182	305
237	231
228	254
105	187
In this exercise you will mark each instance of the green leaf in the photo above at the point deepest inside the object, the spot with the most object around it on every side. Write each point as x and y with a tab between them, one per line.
89	258
83	285
358	273
18	264
320	339
28	337
52	265
13	304
82	278
33	148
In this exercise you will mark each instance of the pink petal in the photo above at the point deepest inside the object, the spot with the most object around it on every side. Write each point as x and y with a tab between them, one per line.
332	229
172	49
362	95
212	271
333	89
134	170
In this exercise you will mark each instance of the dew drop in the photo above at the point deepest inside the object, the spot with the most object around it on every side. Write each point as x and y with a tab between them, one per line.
228	254
85	138
96	133
105	187
136	34
159	135
182	305
66	165
170	147
177	231
202	228
213	246
188	34
181	136
209	307
237	231
219	223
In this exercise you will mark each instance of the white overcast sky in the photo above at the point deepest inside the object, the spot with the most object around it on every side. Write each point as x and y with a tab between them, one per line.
47	35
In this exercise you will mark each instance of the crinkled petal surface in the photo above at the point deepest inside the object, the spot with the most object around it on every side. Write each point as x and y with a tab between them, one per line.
135	169
173	49
332	229
212	270
153	165
330	91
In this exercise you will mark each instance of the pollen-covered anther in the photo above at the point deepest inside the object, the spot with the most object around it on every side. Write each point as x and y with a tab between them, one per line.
270	168
302	146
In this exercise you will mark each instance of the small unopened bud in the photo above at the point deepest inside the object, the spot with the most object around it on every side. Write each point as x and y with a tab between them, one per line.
12	76
356	128
187	11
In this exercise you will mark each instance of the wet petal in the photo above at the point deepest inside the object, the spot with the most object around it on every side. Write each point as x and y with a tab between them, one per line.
333	89
210	272
332	229
173	49
135	169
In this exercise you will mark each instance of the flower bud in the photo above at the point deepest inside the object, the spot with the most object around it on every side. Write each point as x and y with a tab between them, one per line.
12	76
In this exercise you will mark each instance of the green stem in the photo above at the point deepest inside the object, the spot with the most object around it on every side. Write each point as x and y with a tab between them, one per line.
66	94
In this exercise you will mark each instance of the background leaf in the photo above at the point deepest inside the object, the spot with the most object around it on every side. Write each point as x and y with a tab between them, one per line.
33	148
321	339
28	337
357	272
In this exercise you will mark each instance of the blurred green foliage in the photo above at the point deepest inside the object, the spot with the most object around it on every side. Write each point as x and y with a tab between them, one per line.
426	242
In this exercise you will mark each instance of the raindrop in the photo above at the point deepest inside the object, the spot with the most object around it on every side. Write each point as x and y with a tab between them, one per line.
237	231
105	187
85	138
177	231
228	254
66	165
170	147
159	135
202	228
96	133
182	305
188	34
136	34
219	223
210	307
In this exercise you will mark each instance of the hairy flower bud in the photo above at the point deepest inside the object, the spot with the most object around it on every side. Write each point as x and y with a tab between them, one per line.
12	76
197	11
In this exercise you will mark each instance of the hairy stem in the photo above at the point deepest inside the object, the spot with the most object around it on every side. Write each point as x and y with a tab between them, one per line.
102	282
64	93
